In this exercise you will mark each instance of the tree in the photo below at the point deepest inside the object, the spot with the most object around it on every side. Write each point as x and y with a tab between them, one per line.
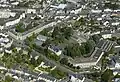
19	28
8	79
95	38
58	74
92	22
53	56
80	22
55	31
71	65
73	50
39	60
111	5
44	32
78	67
89	45
82	49
64	61
14	50
118	41
34	35
67	32
77	51
33	62
46	43
107	76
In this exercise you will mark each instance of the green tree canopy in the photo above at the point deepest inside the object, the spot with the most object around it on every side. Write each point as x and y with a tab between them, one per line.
107	76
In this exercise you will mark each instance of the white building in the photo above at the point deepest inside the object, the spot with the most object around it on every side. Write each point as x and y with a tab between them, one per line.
60	6
115	23
108	10
15	3
105	36
96	11
74	79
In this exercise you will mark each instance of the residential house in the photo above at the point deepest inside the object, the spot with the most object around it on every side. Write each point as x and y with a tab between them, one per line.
55	49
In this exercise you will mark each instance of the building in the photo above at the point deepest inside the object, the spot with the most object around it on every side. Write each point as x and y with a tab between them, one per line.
74	79
28	11
105	36
96	11
102	47
55	49
79	79
23	36
47	78
40	40
88	62
60	6
6	14
79	37
16	21
73	1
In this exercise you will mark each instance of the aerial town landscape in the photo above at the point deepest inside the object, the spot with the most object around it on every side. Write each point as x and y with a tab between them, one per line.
59	41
